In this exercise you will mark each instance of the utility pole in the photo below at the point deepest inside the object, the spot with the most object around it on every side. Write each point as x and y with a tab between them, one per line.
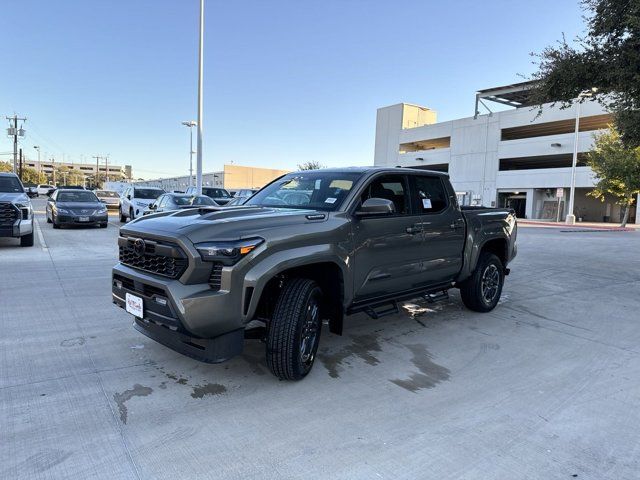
15	132
20	175
190	124
97	157
106	169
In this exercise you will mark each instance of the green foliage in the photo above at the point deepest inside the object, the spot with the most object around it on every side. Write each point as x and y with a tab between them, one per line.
617	169
607	58
310	165
5	167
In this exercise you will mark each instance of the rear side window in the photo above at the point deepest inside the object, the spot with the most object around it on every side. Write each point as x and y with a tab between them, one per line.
429	194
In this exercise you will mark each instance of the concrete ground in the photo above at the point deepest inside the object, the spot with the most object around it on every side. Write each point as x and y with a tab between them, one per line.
544	387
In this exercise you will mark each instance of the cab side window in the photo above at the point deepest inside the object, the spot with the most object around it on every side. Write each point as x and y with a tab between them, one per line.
390	187
430	195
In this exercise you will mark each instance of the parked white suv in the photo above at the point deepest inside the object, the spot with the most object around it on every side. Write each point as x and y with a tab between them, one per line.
135	200
16	212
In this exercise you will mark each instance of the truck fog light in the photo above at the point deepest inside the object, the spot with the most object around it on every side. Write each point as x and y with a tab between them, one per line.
161	301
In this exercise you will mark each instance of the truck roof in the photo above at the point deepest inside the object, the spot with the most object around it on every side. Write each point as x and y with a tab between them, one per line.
366	169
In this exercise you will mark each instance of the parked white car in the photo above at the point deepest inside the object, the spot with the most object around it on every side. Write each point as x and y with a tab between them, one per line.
135	200
43	189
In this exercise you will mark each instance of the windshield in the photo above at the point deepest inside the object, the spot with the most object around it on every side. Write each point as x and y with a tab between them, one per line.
107	194
147	193
216	192
317	190
11	185
79	196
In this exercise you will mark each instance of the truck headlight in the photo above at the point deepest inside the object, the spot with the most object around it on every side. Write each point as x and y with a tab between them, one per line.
227	252
25	210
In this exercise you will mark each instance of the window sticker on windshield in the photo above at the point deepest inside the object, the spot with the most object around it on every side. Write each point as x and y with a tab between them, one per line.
426	203
330	200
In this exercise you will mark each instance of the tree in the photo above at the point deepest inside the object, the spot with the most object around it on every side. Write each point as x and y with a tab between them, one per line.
310	165
29	175
617	170
606	58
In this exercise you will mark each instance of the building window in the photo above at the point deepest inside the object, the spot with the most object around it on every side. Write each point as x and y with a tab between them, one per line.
587	124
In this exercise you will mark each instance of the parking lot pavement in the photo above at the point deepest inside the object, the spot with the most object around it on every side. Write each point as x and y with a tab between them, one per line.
544	387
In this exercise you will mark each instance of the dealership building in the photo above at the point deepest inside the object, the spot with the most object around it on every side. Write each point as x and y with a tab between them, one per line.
519	158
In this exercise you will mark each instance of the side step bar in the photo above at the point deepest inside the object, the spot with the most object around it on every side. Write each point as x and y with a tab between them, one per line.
380	307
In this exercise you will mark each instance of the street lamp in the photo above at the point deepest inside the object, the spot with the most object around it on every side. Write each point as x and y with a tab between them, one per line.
571	218
190	124
200	87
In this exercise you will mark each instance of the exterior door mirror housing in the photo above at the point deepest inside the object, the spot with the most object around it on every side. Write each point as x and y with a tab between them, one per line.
376	206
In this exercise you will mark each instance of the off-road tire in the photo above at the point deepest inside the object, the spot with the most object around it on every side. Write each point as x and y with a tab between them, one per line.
298	300
26	240
471	290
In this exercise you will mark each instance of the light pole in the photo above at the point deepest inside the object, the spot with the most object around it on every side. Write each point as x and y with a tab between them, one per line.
571	218
200	64
190	124
37	147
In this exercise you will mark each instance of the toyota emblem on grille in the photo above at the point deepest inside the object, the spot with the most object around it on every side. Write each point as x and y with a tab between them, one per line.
84	211
138	247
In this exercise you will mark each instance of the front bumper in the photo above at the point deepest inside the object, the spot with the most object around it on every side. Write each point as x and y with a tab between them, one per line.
67	219
191	319
19	229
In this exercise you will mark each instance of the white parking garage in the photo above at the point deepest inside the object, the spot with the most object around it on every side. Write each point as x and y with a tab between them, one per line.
516	157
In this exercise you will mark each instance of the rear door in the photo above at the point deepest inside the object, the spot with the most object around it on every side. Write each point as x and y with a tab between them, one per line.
443	224
388	249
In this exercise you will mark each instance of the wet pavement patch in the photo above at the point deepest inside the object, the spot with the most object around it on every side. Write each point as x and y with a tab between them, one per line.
361	346
72	342
429	374
200	391
121	398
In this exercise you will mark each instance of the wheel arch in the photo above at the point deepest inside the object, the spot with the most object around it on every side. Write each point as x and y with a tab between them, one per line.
328	273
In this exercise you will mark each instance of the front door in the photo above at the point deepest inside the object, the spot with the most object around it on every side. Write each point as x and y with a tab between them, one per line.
387	249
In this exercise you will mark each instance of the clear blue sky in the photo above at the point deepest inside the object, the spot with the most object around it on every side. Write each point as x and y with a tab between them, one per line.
285	81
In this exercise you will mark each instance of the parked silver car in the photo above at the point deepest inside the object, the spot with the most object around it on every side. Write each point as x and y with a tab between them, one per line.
109	197
176	201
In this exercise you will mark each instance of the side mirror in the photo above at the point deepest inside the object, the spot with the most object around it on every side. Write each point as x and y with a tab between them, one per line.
152	206
129	197
376	206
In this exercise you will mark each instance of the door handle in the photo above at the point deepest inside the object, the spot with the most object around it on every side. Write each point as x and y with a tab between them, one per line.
413	230
456	225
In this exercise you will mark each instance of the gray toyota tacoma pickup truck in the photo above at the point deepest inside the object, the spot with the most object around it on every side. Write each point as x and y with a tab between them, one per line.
310	246
16	212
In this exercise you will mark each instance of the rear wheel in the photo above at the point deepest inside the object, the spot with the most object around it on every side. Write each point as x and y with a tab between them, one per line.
26	240
481	292
294	330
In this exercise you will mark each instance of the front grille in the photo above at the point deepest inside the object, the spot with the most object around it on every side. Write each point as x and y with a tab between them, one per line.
143	288
163	259
8	214
215	279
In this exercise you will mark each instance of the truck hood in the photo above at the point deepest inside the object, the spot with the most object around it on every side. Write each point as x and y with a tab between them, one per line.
220	223
14	197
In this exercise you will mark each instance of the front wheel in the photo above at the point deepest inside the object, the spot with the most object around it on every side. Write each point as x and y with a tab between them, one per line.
26	240
481	292
294	330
